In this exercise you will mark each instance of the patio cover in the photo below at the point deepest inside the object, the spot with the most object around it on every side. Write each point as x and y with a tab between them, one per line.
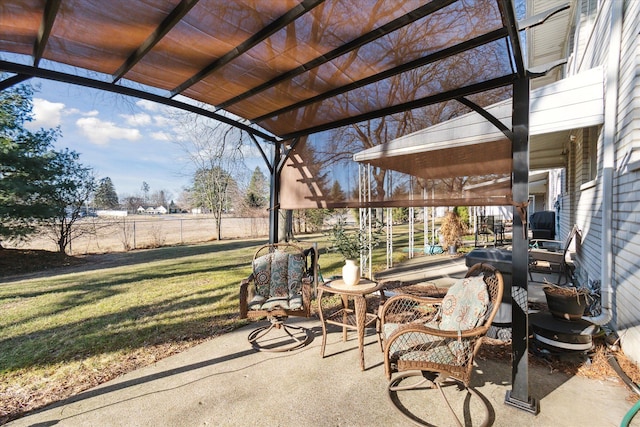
289	69
283	70
469	145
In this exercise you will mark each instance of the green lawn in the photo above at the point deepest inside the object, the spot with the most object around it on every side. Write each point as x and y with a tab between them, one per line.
63	333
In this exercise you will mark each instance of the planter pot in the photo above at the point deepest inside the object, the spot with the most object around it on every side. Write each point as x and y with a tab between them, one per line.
565	304
350	272
453	249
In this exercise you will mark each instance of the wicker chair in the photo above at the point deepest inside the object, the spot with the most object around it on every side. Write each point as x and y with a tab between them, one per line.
281	285
438	338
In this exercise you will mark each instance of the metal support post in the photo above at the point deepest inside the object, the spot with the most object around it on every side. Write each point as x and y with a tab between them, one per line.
389	251
274	199
518	396
364	181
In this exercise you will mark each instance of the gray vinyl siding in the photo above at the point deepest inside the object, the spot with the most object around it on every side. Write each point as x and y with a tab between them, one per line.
588	211
626	215
583	202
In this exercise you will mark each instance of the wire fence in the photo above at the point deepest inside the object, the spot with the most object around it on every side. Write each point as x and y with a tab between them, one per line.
99	235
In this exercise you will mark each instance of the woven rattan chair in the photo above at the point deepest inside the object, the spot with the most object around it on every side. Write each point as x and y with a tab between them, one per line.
437	338
281	285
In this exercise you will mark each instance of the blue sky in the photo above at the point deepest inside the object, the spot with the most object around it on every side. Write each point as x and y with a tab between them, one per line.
129	140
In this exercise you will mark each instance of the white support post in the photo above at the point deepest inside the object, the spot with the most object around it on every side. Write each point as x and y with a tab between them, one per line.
364	182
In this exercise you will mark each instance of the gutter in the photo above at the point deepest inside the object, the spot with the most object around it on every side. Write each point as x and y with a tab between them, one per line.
608	156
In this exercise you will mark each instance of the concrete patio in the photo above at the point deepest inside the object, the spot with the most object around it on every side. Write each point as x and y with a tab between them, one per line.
224	382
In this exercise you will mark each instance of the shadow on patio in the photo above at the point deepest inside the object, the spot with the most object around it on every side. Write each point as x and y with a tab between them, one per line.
224	382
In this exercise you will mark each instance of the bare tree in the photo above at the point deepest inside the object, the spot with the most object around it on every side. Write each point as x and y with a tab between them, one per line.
215	150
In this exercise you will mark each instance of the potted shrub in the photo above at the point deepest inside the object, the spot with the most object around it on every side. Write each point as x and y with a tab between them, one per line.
451	230
350	244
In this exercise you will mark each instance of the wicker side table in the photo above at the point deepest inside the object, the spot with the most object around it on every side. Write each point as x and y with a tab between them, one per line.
355	319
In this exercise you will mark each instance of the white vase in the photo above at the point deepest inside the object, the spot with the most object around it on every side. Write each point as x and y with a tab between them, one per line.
350	272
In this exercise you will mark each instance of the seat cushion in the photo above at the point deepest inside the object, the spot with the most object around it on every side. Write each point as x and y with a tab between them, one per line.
418	346
279	286
262	275
256	302
278	281
276	302
465	304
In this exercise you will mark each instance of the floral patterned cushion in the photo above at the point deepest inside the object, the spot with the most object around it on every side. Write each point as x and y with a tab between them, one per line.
262	275
465	304
279	269
295	272
278	281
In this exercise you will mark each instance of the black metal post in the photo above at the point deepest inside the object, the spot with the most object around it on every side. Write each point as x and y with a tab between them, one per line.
518	396
274	199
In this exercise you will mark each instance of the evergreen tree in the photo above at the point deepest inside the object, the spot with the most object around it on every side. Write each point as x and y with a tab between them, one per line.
258	190
336	194
106	196
35	180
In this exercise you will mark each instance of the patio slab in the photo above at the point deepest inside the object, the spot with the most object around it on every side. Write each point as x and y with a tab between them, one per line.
224	382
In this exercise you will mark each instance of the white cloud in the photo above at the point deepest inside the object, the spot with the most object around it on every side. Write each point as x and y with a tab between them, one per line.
71	111
164	121
46	114
148	105
161	136
140	119
91	113
100	132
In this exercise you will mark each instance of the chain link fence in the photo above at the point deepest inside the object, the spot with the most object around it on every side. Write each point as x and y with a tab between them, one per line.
99	235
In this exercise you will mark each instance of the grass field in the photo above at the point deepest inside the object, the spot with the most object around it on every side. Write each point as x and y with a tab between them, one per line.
63	332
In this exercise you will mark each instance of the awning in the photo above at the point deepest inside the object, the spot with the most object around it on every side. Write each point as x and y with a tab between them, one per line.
289	67
471	146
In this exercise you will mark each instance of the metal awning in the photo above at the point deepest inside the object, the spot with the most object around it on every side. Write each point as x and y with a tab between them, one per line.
469	145
288	67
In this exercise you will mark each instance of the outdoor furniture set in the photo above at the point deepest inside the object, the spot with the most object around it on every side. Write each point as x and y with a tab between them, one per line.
432	338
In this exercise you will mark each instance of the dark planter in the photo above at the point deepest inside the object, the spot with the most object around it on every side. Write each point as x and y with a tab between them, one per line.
565	303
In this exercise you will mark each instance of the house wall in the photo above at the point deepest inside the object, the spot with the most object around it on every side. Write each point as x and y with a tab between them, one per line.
586	193
626	212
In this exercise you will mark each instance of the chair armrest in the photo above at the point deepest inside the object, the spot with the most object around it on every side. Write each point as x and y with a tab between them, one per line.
409	309
244	296
306	294
439	333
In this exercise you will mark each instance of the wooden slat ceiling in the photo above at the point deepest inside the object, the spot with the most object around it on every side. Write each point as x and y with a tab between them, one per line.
287	67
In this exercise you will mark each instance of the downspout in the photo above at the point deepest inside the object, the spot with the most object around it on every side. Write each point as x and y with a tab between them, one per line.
608	155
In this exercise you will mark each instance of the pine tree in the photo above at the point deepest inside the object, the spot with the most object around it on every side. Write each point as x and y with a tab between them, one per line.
257	192
106	196
38	185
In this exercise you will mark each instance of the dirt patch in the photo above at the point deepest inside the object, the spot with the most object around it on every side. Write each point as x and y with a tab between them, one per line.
25	261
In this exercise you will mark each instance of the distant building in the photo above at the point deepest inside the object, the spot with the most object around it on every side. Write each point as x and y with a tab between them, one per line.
150	210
